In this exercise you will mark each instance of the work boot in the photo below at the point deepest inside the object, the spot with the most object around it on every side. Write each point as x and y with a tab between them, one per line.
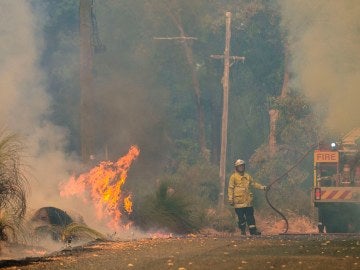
254	231
242	229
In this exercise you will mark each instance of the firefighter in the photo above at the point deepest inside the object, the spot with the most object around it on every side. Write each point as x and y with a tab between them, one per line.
241	197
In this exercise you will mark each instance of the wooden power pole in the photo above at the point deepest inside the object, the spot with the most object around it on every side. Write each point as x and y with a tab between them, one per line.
86	81
90	43
224	120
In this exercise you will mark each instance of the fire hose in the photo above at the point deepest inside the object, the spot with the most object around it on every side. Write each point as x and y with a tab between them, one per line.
278	179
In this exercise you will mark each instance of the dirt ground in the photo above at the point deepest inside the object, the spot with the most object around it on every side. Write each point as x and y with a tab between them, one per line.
206	252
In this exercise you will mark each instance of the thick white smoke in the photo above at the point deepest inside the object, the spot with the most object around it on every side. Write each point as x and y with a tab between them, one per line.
25	104
324	39
25	109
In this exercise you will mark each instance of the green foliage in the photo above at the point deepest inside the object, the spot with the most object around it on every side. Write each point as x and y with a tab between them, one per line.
298	125
293	107
297	133
292	192
12	185
167	209
183	200
200	181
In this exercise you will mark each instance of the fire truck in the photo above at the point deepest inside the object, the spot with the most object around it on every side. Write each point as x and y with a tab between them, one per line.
336	187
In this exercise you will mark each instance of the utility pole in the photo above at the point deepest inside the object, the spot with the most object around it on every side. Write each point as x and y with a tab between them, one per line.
224	120
90	43
86	81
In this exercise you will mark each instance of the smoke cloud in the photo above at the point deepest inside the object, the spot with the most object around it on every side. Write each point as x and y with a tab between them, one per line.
25	105
26	108
324	41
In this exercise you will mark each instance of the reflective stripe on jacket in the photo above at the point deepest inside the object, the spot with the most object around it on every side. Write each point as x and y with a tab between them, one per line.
239	192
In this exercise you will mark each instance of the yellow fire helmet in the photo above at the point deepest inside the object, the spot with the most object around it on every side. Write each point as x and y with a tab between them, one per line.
239	162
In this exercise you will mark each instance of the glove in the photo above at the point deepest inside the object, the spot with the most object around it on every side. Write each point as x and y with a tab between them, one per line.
266	188
231	203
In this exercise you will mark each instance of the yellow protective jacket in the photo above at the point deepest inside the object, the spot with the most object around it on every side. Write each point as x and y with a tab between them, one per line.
239	189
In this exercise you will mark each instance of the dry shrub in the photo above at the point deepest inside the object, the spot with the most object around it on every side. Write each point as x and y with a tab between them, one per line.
275	224
180	201
12	186
168	209
224	221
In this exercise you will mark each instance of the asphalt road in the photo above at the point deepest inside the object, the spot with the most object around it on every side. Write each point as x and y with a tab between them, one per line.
206	252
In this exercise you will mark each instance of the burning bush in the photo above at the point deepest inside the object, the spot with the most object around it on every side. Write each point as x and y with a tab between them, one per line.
102	185
12	186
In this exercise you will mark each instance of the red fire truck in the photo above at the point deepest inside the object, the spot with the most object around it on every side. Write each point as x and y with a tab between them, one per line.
336	189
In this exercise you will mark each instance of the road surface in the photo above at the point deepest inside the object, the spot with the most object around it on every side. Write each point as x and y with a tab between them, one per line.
206	252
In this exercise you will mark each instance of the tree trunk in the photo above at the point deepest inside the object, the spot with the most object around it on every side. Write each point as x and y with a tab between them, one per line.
284	88
274	113
196	84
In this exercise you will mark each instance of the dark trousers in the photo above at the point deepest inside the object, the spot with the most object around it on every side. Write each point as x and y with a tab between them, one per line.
245	215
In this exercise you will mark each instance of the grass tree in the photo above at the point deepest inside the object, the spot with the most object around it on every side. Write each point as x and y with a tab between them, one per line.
12	186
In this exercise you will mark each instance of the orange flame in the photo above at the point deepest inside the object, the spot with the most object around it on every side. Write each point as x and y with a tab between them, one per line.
128	204
103	185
